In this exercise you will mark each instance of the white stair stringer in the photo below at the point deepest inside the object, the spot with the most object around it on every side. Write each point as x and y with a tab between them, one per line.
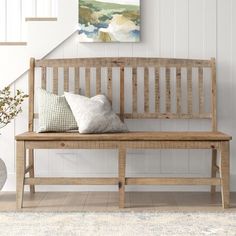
42	38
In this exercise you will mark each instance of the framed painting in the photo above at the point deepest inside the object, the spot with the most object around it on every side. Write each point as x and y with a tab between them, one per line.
109	20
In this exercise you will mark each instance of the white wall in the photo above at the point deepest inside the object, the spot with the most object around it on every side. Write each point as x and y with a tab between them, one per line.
14	12
170	28
41	36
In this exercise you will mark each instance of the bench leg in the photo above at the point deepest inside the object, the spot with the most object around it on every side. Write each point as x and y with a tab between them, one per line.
213	169
225	174
122	164
31	172
20	173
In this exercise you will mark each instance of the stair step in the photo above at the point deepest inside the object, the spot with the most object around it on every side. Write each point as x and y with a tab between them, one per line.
41	19
44	34
13	43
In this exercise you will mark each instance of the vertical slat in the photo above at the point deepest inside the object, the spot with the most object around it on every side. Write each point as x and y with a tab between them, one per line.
66	79
55	80
213	169
157	89
109	83
122	165
122	93
146	89
98	80
31	94
213	95
178	90
168	91
77	80
20	145
190	90
87	82
200	90
43	77
20	173
134	90
31	172
225	174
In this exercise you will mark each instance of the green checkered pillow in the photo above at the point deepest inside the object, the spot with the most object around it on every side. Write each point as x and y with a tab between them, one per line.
54	113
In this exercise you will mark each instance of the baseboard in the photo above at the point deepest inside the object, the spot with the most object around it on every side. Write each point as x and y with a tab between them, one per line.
10	186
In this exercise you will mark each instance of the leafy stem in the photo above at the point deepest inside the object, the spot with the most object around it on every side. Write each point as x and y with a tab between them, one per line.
10	106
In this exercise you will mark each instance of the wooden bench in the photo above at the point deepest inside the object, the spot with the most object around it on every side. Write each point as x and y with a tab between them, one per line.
167	106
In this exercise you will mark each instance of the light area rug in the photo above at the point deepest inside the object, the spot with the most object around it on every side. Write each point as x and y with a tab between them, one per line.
117	224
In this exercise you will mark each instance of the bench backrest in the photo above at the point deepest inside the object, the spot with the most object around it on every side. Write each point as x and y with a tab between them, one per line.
162	81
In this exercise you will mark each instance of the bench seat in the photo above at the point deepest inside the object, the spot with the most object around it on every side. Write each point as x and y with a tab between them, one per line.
130	136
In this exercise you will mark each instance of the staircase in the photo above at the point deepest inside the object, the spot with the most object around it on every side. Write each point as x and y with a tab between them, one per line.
32	28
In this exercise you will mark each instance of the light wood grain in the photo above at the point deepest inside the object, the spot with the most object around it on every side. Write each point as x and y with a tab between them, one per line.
66	79
213	169
122	179
132	136
98	80
214	127
167	116
225	174
31	120
172	144
72	144
123	61
71	181
144	63
146	90
28	168
157	90
201	90
189	90
134	91
173	181
178	91
87	82
109	84
213	95
168	91
43	78
55	80
213	140
31	94
148	144
77	80
122	93
20	173
31	170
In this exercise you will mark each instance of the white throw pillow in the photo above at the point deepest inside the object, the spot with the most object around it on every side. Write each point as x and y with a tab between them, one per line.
94	115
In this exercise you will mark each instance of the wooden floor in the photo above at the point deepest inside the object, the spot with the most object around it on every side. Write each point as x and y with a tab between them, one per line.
108	201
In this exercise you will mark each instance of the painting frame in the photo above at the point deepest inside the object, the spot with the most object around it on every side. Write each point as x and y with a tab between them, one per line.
110	21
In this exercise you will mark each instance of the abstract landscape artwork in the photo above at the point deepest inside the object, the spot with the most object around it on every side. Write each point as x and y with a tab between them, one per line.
109	20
